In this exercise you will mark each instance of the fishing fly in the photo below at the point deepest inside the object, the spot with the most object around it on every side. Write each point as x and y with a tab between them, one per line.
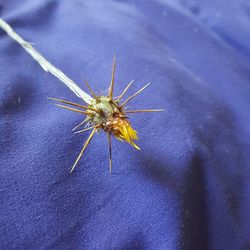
107	113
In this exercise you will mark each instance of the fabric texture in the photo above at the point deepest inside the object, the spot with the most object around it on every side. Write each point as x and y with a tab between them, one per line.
188	187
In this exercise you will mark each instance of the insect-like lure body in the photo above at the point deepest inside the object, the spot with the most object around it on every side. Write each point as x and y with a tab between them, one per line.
112	119
109	114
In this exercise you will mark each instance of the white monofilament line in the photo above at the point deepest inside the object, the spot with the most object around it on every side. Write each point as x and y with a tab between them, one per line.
47	66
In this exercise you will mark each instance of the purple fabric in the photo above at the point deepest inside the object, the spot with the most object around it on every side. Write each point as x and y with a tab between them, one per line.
188	187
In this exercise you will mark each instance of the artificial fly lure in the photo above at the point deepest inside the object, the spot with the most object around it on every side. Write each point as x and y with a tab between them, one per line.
107	113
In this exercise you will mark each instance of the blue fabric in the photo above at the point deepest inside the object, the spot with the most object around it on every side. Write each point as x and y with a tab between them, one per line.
188	187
